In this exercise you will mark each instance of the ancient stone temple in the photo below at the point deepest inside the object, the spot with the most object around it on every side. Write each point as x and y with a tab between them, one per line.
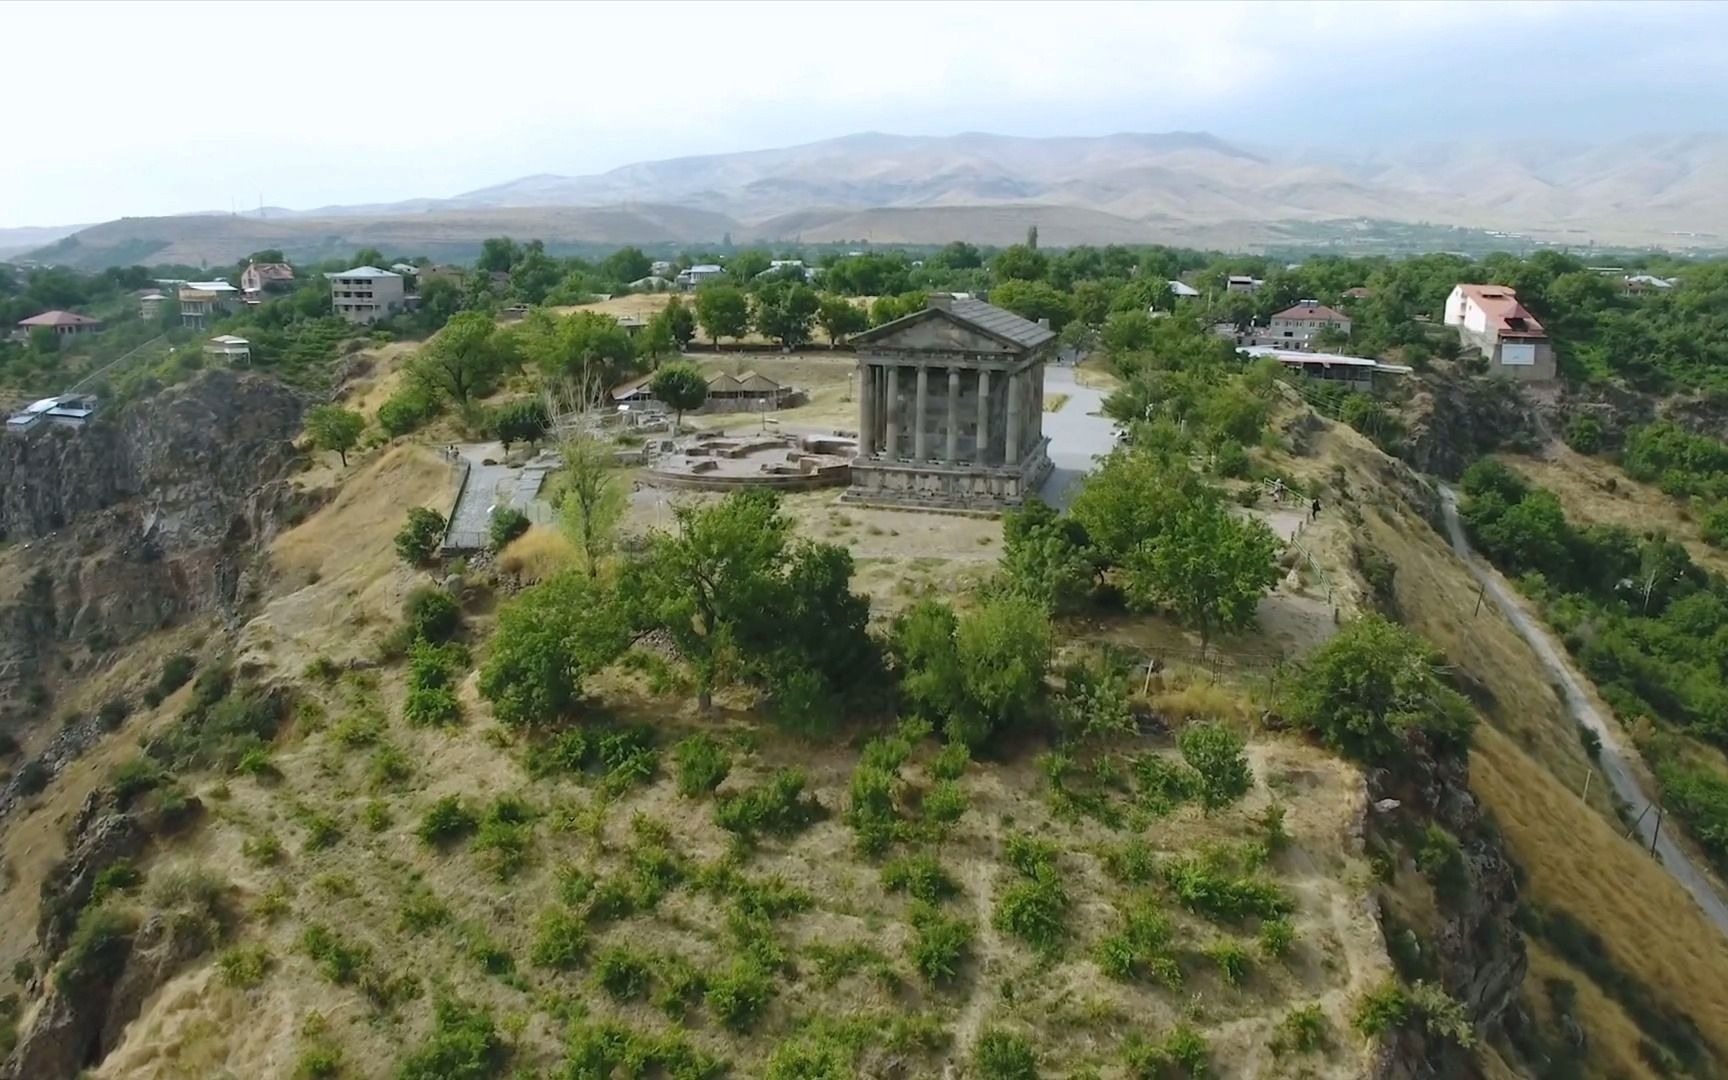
951	409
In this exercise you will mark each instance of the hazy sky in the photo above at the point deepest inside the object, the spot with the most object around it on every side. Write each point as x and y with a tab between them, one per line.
138	109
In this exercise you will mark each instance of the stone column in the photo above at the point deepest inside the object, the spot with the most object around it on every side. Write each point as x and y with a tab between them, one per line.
866	409
919	450
981	455
953	416
1011	448
891	438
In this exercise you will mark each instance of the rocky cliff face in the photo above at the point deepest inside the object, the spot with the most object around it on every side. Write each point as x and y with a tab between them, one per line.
1473	949
135	522
1455	419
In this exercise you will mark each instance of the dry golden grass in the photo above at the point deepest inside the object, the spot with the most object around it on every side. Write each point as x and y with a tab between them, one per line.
537	555
1054	402
1580	863
1613	1036
1582	483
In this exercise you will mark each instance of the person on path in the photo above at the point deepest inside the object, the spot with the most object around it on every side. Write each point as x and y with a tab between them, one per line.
1314	510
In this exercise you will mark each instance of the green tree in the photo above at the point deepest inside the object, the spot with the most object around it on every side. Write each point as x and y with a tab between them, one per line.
1215	753
625	265
840	317
590	497
549	638
587	348
978	674
1020	263
522	420
332	427
723	311
1129	499
1034	300
464	361
1207	566
680	387
1047	558
497	254
785	312
1373	686
681	320
420	536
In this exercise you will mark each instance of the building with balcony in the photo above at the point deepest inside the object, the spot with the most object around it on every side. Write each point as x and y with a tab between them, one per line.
366	294
1297	326
260	278
1490	319
203	302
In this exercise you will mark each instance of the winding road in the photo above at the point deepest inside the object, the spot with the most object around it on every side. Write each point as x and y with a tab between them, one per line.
1614	759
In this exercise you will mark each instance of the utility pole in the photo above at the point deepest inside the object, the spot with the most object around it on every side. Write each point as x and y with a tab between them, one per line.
1656	832
1480	591
1588	774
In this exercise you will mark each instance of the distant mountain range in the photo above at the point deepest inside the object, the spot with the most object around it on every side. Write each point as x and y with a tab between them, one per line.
1179	187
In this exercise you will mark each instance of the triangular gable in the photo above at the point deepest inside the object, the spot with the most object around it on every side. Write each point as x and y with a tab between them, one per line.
757	382
724	384
935	330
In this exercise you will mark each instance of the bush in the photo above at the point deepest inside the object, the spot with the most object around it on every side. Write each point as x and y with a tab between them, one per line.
1142	948
96	952
464	1045
431	614
447	820
338	961
1215	753
320	1061
950	762
703	765
507	524
244	966
113	713
1035	911
777	807
1276	938
1208	885
1004	1055
939	944
1232	960
420	537
1302	1031
406	410
505	836
623	973
1584	434
921	875
870	809
1183	1053
177	670
737	996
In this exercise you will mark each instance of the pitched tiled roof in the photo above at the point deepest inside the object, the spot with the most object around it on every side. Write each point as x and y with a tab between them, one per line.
1001	322
59	318
273	271
1506	316
1308	309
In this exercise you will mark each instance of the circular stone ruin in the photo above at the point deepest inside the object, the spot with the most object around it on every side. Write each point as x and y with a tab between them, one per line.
717	461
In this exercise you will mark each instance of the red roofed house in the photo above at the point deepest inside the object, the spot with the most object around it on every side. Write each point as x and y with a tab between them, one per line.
1296	327
259	278
1490	318
64	323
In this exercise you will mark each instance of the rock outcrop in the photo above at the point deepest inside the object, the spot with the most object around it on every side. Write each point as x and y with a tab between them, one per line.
139	520
1473	948
1455	418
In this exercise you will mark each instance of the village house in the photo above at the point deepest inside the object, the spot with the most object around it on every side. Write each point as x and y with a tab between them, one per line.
660	268
65	324
1358	372
1638	284
1181	290
150	305
228	349
69	410
201	302
749	392
260	278
1243	283
692	278
1490	319
365	294
1297	326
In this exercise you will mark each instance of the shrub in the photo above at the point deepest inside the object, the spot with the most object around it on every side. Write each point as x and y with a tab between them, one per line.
505	836
1141	949
1132	863
1183	1053
1004	1055
1036	912
738	995
464	1045
507	524
939	944
135	776
1215	753
1371	685
1209	886
1163	785
177	670
96	952
1584	433
338	961
390	768
420	537
1276	938
31	778
1302	1031
421	910
244	966
431	614
117	877
263	848
777	807
1441	861
703	765
623	973
320	1061
870	809
406	410
1232	960
447	820
921	875
432	706
950	762
944	804
113	713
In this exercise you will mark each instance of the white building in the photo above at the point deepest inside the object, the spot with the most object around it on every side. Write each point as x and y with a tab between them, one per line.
1490	319
365	294
70	410
229	349
695	276
1181	290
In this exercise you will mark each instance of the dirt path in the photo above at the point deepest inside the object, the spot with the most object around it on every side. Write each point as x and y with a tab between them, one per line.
980	883
1616	760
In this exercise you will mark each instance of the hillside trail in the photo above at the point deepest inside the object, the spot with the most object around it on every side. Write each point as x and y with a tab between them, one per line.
1615	759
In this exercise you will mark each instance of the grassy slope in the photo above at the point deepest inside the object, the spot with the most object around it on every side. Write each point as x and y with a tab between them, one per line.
337	591
1529	769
